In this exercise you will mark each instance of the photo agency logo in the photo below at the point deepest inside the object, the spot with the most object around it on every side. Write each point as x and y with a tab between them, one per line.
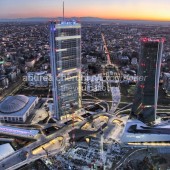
85	79
37	78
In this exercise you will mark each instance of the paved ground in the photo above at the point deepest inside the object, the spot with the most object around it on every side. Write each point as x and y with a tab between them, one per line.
40	114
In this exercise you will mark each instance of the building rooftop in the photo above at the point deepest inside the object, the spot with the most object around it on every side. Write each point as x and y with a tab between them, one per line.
37	73
16	105
68	24
147	39
167	74
13	104
5	150
1	60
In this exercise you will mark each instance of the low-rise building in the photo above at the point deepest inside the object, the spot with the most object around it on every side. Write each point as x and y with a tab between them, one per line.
91	59
38	79
166	83
4	82
93	83
30	63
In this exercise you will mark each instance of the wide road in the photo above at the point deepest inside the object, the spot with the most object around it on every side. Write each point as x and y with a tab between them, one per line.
115	91
106	50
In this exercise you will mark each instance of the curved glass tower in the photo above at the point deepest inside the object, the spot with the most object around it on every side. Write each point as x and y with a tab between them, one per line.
146	97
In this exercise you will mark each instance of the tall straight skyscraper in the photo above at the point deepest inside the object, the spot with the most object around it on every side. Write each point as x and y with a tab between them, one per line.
65	54
146	97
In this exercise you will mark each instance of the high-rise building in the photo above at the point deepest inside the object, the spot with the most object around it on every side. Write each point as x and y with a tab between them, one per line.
2	66
146	97
65	42
166	83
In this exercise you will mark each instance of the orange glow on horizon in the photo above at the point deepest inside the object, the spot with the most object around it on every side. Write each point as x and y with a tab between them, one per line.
110	17
138	10
119	16
147	18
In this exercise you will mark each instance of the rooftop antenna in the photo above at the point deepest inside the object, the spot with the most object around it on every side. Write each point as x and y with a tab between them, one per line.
63	10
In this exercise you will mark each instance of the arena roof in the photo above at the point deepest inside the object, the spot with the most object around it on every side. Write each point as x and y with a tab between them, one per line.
13	104
16	109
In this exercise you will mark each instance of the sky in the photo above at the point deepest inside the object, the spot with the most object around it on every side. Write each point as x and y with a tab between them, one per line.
109	9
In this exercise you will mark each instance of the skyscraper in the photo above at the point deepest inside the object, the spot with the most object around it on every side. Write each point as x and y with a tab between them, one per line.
65	42
1	65
146	97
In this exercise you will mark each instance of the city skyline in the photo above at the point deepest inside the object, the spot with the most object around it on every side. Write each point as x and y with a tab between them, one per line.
123	9
83	95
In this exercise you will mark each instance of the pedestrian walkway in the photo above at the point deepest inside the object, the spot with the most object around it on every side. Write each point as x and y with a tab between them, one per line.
115	91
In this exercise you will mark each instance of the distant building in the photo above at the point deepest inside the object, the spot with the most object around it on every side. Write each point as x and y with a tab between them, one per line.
65	42
1	60
12	76
45	66
168	64
30	62
124	59
134	61
166	83
17	108
18	72
38	79
146	97
4	82
1	66
136	133
12	73
91	59
93	83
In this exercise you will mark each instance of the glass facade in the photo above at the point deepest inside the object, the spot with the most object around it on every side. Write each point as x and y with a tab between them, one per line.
66	67
146	97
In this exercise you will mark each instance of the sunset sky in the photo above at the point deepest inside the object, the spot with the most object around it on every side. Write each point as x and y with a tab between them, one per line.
110	9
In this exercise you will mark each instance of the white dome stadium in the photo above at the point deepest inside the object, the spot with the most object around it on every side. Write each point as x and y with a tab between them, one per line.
13	104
